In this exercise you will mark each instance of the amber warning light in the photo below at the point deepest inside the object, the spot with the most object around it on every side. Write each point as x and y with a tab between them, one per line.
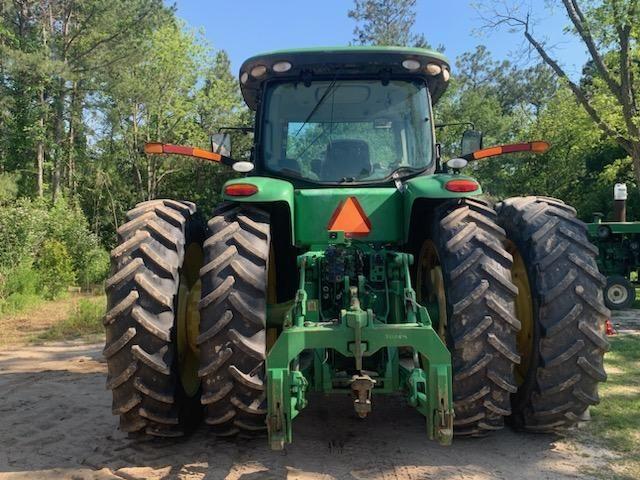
534	147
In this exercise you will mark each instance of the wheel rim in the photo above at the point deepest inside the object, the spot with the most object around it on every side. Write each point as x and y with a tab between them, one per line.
188	320
430	289
617	294
524	312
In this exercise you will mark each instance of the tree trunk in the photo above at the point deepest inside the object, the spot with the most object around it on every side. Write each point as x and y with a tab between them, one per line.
635	158
40	147
58	136
75	112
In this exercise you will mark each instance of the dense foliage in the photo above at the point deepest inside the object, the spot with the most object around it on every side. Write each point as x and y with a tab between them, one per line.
82	86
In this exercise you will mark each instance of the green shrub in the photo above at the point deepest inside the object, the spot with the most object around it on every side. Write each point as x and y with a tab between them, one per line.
95	268
19	288
23	228
20	279
84	319
26	225
68	224
16	302
55	268
8	187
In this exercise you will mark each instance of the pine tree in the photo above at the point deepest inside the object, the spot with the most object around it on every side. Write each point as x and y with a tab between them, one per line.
386	22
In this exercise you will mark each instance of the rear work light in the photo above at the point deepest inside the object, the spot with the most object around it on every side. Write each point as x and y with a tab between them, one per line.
461	186
240	190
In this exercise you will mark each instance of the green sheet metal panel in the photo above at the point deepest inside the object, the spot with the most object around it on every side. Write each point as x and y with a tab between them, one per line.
314	208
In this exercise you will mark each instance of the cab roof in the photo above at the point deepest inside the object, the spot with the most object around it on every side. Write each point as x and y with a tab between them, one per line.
348	62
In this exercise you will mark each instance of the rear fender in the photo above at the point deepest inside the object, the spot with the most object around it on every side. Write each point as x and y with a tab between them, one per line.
270	191
430	189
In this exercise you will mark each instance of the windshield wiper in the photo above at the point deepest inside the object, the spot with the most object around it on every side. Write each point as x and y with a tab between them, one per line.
317	106
401	169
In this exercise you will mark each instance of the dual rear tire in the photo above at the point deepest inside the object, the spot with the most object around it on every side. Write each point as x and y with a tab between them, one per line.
148	268
523	312
563	323
185	328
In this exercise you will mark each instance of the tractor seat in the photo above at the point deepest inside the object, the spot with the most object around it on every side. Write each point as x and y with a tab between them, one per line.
346	159
289	164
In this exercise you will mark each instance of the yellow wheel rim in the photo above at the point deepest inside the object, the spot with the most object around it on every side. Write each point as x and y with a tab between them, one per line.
430	287
188	319
524	312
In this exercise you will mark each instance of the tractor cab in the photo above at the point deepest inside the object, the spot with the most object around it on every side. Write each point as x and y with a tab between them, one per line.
344	115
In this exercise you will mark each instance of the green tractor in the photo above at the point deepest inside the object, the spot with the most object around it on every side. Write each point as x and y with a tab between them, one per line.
352	259
618	243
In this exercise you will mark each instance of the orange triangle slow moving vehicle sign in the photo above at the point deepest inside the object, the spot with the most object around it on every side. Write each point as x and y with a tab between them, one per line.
350	218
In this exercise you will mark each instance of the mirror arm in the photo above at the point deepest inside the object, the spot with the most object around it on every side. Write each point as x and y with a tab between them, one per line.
440	166
454	124
235	129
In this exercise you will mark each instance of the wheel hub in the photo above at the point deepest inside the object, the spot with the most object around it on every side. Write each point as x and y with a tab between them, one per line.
617	294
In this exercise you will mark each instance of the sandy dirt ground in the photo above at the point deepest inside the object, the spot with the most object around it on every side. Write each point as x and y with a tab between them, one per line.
55	422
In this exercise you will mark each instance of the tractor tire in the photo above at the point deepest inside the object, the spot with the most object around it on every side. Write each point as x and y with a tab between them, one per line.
481	323
562	312
619	293
233	320
141	313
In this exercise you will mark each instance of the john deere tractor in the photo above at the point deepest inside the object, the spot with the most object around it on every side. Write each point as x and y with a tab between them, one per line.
351	258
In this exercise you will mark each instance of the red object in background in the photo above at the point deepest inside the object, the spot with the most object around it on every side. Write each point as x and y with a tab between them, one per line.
609	330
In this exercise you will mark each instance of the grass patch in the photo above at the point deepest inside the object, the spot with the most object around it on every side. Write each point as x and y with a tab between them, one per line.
85	319
18	302
615	421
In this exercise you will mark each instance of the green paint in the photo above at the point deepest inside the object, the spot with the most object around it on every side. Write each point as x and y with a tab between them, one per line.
315	207
429	187
270	190
388	208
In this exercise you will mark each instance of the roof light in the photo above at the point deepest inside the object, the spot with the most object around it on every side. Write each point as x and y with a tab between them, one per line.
433	69
244	77
411	65
457	163
281	67
461	186
242	167
240	190
258	71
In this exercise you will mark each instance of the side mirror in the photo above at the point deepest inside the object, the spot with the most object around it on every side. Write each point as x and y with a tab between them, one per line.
221	143
471	141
